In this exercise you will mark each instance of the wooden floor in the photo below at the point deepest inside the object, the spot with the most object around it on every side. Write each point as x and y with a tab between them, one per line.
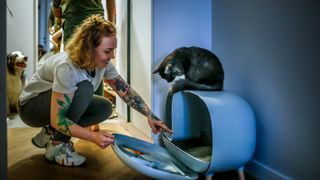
26	162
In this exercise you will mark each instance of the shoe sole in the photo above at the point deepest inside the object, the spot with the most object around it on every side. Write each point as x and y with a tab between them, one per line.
54	161
68	165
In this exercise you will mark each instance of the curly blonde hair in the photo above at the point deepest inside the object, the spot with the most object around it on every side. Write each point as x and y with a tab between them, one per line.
86	38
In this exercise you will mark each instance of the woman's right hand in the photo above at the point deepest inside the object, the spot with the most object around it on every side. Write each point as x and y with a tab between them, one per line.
103	139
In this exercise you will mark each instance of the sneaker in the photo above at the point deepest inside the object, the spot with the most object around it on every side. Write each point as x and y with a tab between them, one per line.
64	154
42	139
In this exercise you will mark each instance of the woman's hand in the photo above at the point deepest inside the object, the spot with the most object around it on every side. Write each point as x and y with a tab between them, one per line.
157	125
103	139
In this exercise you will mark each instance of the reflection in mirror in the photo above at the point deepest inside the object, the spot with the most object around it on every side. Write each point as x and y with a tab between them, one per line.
50	33
39	21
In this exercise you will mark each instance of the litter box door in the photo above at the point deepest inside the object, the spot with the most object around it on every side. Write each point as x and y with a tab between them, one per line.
150	159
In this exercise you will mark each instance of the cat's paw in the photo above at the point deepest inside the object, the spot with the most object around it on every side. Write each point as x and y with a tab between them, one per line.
178	85
177	78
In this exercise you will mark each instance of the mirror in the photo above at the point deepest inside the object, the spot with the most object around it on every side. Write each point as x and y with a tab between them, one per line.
35	18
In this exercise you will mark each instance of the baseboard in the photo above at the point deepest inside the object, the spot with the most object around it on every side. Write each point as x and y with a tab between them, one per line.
263	172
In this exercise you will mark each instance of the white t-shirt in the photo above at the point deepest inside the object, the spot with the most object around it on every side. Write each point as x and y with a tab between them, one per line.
59	74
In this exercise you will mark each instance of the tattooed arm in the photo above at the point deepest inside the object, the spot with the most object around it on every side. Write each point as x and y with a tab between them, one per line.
60	103
134	100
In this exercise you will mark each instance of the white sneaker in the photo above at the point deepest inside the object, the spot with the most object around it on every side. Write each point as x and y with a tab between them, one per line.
42	139
64	154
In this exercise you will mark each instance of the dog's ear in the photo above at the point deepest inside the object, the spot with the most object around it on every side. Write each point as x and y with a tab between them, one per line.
9	57
10	62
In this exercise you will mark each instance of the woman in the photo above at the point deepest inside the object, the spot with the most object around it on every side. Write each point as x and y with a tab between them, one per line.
60	93
74	12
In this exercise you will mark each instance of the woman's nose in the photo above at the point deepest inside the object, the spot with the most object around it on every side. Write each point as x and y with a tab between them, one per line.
112	54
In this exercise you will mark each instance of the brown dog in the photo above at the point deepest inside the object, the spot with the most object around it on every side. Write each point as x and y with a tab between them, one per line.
16	63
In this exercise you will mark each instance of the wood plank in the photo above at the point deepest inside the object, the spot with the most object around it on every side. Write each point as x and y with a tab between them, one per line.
26	162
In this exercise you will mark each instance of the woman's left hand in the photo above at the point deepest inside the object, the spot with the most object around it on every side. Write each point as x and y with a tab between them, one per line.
157	125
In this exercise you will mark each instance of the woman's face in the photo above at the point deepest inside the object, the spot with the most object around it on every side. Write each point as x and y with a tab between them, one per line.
105	51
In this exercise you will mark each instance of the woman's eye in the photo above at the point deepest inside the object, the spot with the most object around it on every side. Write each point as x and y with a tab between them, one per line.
108	52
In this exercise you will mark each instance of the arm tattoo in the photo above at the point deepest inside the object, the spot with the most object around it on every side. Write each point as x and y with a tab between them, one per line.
121	85
136	102
129	96
63	121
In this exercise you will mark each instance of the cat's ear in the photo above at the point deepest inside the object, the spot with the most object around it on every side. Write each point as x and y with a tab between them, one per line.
156	70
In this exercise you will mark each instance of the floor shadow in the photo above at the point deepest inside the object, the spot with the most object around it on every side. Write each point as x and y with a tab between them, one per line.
100	165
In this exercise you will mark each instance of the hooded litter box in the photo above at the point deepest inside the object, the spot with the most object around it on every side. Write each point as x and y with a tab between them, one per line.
214	131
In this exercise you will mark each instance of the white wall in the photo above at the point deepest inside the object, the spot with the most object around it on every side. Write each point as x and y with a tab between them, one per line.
21	30
121	52
140	70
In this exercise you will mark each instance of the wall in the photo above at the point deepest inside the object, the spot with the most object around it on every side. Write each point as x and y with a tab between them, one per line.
176	23
121	52
270	51
140	58
21	30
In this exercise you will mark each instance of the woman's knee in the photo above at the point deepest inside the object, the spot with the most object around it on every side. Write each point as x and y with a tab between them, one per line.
83	94
84	87
101	106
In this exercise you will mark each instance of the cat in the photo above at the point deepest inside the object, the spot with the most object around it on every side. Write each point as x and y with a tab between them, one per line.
192	68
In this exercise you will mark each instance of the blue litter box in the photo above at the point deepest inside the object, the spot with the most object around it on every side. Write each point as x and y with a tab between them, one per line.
214	131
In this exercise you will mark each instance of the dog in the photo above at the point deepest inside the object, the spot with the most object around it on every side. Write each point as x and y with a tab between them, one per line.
192	68
16	64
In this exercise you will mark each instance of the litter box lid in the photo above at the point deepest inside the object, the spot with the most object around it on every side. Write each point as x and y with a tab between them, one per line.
150	159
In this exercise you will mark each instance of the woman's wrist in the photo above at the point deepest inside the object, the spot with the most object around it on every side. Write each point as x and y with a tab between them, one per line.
92	136
152	116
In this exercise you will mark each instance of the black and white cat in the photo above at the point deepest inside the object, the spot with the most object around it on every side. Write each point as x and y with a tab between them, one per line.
192	68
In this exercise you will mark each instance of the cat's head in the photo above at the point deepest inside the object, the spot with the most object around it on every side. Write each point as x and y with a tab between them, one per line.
169	68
